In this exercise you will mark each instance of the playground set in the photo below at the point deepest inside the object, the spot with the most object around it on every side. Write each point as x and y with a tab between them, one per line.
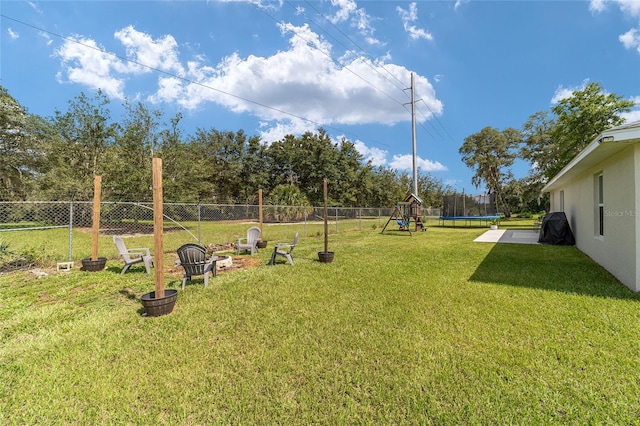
404	211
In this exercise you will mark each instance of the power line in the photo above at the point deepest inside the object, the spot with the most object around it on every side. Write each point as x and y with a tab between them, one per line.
206	86
366	54
382	66
328	55
185	79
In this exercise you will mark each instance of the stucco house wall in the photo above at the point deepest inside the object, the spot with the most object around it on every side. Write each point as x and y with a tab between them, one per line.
575	191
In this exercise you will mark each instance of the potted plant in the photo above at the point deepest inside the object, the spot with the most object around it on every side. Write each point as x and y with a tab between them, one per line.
494	223
95	263
325	256
160	301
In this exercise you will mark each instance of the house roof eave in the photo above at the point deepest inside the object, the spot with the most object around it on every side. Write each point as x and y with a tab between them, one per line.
603	146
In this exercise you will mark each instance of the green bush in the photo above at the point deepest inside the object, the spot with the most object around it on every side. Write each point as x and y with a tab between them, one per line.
24	257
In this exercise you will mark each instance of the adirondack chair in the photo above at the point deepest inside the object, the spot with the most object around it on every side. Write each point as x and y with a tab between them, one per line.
249	243
133	256
284	249
193	258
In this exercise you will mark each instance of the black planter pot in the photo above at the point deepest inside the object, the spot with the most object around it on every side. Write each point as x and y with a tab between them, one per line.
94	265
155	307
325	256
261	244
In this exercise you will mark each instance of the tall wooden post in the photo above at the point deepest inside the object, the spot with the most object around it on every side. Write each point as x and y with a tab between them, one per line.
326	213
260	208
97	185
158	224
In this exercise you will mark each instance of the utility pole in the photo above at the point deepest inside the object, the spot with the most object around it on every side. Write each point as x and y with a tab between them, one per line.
413	135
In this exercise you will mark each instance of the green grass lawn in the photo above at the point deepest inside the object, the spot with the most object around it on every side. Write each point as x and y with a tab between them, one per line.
428	329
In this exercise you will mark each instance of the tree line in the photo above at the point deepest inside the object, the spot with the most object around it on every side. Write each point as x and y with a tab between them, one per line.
55	158
548	141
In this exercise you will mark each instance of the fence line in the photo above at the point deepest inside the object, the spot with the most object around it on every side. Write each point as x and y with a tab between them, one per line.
134	218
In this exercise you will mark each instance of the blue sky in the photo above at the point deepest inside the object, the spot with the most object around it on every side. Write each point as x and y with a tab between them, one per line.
273	68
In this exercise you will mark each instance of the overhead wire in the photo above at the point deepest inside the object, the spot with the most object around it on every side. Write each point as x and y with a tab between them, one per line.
367	55
260	104
328	55
384	68
185	79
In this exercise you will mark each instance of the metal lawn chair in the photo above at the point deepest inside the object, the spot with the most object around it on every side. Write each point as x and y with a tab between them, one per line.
249	243
193	258
285	250
133	256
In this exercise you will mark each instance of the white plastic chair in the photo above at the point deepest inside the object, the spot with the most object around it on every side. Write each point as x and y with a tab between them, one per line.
133	256
249	243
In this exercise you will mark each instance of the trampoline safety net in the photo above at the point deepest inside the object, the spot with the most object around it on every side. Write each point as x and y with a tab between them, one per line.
468	205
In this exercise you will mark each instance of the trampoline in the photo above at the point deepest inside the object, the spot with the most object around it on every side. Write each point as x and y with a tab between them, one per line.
468	219
469	209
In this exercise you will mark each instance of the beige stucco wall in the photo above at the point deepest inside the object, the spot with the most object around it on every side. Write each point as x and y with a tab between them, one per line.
617	250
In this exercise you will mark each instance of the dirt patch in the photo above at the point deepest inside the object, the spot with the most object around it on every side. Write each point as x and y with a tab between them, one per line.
239	263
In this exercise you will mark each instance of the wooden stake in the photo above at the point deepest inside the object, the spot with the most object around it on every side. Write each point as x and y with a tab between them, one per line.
260	208
326	213
158	224
97	185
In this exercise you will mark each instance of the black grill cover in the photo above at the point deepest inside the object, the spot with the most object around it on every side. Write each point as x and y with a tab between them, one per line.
555	230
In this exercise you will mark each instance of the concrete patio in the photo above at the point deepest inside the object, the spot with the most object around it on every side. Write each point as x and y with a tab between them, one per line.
516	236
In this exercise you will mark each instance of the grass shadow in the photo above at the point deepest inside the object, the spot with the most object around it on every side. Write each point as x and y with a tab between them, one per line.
548	267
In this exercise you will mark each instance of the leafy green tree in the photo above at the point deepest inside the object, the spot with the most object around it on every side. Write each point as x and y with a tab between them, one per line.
287	203
490	152
76	155
351	176
539	148
305	161
127	163
388	187
580	118
187	176
431	190
254	173
222	154
19	150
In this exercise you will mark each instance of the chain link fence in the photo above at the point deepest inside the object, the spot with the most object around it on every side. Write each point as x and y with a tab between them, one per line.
43	226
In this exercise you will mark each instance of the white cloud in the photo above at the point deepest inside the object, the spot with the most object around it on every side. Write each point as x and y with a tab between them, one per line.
597	5
459	3
277	131
628	7
305	81
631	39
47	38
377	156
294	90
160	54
35	7
345	9
408	18
633	115
12	34
348	11
566	92
405	162
86	63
